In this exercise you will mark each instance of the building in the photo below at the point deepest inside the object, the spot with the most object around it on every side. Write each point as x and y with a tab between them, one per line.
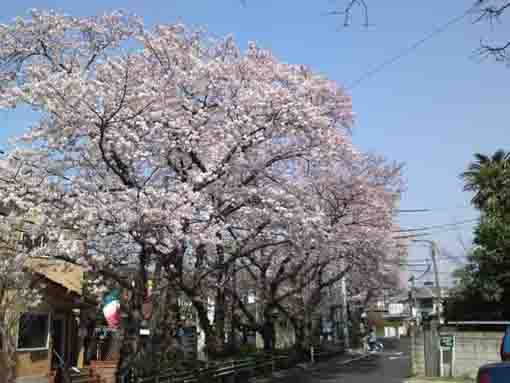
390	316
397	316
49	334
424	302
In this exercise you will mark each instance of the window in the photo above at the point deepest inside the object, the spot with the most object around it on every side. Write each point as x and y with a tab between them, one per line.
396	308
33	331
250	298
427	303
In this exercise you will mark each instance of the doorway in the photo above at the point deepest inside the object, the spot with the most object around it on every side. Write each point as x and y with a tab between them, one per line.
58	337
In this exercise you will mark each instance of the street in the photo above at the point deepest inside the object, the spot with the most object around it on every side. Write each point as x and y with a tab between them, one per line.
390	366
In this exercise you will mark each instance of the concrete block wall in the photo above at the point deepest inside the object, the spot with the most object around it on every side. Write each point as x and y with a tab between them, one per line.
472	350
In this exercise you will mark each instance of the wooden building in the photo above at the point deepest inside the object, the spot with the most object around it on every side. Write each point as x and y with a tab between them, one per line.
50	334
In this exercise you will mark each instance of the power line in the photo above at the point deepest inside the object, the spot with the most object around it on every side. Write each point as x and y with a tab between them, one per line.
430	233
413	210
435	227
408	50
432	210
424	273
412	236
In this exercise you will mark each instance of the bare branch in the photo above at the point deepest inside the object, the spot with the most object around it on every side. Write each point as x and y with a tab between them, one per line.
492	11
347	11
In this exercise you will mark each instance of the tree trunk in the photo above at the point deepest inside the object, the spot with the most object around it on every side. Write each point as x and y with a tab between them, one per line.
7	360
219	317
220	301
268	331
300	346
131	342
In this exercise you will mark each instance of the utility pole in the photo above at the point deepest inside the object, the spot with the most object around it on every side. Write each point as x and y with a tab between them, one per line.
433	253
434	249
412	299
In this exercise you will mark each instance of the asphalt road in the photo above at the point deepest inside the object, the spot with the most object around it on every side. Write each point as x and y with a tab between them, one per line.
390	366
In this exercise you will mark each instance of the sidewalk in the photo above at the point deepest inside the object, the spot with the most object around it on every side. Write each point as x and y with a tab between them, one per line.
278	376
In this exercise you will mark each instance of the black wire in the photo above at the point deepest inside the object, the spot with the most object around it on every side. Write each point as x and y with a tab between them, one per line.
424	273
433	227
408	50
433	209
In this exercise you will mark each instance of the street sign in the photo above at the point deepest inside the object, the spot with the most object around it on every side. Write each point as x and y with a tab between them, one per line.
447	341
447	351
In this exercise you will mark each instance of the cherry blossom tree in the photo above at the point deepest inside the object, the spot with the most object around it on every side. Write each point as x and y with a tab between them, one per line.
183	160
350	233
18	287
141	153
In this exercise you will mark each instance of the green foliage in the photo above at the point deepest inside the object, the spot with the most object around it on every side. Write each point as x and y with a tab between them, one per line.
488	177
247	350
484	290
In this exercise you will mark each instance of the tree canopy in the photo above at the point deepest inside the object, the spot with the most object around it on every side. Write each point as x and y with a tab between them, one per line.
485	281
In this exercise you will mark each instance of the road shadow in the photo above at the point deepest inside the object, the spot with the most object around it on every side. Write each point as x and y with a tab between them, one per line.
396	344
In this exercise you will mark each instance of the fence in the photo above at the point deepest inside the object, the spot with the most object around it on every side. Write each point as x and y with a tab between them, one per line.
230	371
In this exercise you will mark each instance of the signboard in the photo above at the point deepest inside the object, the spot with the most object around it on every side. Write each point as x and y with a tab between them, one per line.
447	341
447	353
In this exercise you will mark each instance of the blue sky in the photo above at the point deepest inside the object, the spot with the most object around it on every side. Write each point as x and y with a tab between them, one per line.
431	110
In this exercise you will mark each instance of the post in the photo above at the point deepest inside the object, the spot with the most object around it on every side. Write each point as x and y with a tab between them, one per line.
233	321
441	362
344	313
233	376
312	354
452	364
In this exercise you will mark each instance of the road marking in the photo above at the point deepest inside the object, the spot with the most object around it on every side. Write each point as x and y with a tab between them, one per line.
398	357
354	359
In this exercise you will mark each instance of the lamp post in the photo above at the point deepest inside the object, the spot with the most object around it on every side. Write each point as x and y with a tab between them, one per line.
345	315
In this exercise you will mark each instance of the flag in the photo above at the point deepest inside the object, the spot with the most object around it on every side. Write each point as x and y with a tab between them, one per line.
111	309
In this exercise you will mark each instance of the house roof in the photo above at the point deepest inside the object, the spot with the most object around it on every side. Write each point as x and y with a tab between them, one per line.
63	273
400	298
426	292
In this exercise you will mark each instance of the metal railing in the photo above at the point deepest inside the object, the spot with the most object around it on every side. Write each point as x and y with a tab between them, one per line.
239	370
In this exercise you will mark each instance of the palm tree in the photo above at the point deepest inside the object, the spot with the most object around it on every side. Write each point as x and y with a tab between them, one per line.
487	177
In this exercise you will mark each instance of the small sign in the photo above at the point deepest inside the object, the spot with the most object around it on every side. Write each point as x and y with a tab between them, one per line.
145	331
447	341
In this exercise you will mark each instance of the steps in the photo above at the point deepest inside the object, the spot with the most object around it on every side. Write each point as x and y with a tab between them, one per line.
84	376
